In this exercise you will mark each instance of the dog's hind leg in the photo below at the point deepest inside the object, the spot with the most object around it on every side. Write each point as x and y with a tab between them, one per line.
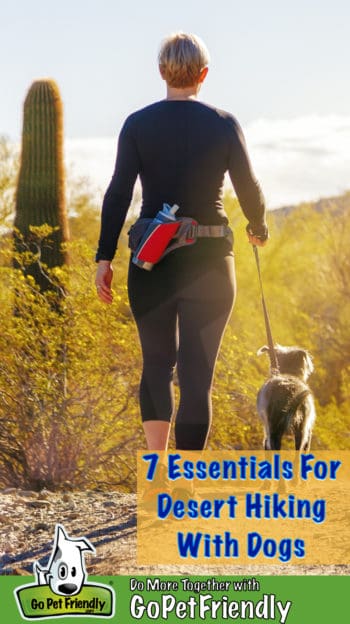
262	411
273	437
303	431
302	440
298	437
302	435
306	443
267	438
275	441
267	444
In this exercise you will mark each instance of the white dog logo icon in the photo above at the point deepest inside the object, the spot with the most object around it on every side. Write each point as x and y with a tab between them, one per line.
66	572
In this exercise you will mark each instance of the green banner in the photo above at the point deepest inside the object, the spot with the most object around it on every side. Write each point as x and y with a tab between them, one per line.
170	599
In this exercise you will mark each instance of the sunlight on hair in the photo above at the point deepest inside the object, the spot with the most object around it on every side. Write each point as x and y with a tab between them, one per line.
181	58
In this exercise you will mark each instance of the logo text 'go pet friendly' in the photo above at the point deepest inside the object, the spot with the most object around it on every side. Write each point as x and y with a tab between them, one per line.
61	589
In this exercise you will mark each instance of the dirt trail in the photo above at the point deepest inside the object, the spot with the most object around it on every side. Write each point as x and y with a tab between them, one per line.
108	520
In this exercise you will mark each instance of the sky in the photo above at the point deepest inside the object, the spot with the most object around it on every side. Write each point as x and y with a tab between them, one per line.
280	67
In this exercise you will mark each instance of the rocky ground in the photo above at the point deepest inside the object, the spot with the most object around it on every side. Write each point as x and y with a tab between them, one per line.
108	520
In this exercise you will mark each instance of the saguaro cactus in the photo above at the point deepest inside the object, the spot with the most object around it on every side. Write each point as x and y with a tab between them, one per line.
40	195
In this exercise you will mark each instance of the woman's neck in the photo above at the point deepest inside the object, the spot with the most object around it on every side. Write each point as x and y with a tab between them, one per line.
187	93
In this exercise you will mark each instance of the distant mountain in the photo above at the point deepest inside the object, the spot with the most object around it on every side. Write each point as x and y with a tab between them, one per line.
338	204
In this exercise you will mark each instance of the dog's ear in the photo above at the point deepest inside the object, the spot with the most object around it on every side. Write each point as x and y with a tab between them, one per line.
303	364
308	363
264	349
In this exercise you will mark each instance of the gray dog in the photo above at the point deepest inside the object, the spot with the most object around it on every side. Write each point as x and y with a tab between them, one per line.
285	403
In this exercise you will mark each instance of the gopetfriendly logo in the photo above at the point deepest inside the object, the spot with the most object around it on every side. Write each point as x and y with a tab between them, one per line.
60	589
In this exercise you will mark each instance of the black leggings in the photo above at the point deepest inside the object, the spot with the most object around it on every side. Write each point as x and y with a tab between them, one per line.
181	309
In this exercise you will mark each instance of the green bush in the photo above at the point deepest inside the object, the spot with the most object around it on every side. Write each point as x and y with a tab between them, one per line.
68	410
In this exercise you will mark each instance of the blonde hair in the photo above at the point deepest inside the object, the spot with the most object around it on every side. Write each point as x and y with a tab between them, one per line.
181	59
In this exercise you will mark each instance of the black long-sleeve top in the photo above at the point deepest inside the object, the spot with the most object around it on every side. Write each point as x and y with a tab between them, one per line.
181	150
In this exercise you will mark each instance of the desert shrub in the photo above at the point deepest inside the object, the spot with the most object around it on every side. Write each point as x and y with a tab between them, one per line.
67	390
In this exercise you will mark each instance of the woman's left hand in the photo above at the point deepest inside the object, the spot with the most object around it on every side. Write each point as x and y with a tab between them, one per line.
255	240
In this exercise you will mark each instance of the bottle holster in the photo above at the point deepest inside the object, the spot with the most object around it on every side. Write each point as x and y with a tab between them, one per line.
150	241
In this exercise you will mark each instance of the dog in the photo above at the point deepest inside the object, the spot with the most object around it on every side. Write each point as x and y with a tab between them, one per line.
65	573
285	403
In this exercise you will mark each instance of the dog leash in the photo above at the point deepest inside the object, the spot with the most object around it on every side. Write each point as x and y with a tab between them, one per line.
272	353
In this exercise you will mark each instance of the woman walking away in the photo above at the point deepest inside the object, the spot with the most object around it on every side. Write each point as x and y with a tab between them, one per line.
181	149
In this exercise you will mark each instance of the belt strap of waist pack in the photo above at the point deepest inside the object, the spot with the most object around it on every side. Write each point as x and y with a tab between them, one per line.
189	231
210	231
194	230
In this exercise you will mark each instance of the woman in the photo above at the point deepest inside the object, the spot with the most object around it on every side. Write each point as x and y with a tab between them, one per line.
181	148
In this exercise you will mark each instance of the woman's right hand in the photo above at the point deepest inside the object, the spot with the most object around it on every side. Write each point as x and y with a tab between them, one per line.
103	281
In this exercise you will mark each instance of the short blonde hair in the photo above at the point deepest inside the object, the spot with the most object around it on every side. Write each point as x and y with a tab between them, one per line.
181	59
